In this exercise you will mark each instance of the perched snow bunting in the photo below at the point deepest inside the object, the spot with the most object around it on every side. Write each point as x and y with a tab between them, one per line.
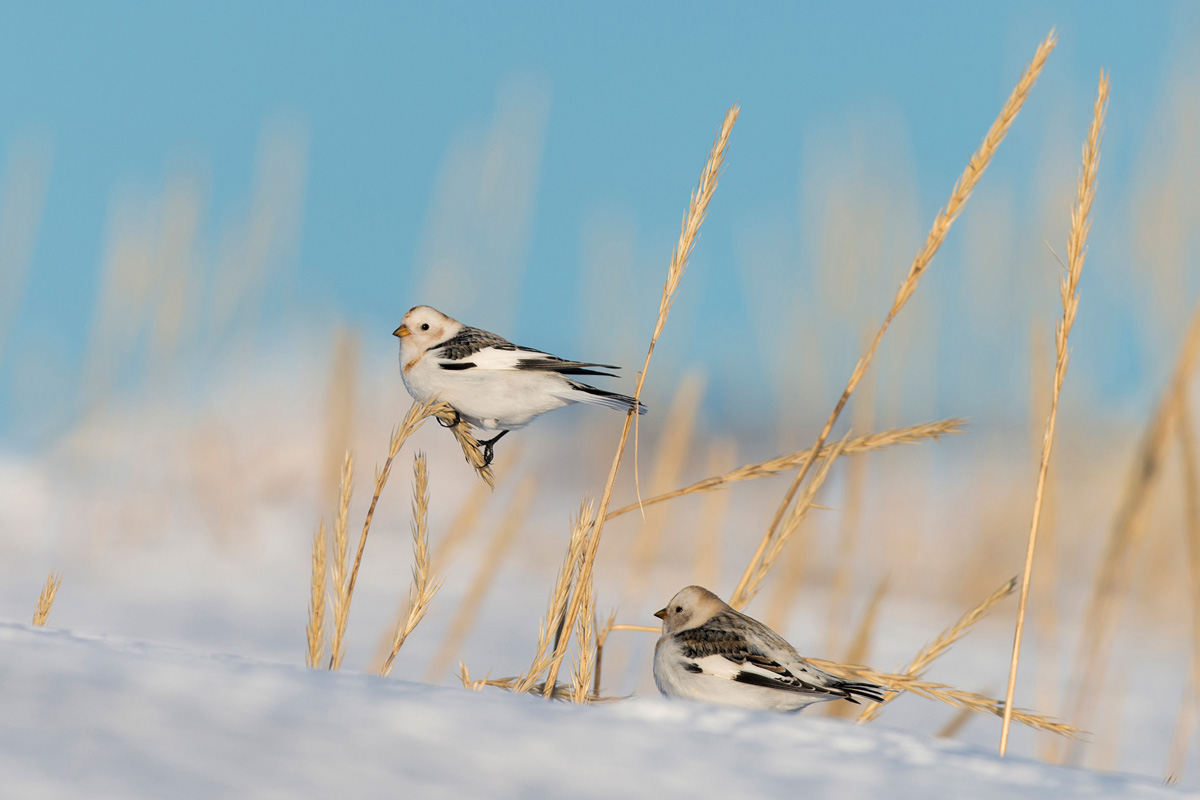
712	653
492	383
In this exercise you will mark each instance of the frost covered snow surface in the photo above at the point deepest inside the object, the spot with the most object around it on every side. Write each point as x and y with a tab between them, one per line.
101	717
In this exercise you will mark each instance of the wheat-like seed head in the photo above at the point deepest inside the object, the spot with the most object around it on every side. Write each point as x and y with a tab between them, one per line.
424	585
46	598
317	599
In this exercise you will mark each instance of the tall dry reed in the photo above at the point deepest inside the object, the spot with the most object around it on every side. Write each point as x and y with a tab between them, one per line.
1069	292
692	221
941	226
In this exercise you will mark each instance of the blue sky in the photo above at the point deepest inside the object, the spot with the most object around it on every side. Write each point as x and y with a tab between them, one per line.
122	96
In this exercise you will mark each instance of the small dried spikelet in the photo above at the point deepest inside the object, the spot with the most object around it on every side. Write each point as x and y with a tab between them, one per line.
46	598
317	600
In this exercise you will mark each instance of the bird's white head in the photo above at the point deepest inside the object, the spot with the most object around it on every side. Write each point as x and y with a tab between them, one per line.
689	608
423	327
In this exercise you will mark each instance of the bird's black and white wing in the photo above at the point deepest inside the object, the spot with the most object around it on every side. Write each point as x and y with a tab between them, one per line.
472	348
722	648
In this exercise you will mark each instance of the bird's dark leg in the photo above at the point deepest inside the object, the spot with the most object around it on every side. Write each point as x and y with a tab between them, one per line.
487	447
457	419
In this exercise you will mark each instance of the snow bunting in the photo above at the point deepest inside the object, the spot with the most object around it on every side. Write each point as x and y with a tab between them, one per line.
712	653
490	382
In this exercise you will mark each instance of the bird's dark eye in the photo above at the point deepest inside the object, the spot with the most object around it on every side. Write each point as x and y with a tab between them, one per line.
678	609
425	326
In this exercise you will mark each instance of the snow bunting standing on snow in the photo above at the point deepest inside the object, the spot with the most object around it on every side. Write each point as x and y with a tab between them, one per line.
712	653
490	382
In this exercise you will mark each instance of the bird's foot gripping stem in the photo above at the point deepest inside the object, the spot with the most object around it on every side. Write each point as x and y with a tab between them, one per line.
487	448
457	419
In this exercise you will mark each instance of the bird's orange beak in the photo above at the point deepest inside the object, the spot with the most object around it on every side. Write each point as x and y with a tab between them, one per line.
401	332
661	613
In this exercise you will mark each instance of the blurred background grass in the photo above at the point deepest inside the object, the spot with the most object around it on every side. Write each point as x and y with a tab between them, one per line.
211	219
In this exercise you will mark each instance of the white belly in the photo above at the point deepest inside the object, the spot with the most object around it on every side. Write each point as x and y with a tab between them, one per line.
678	682
489	399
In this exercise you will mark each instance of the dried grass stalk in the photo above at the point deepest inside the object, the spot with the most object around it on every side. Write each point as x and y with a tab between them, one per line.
1069	292
489	565
46	598
317	599
1186	720
957	698
697	209
340	567
937	234
553	624
773	466
749	588
418	412
934	650
424	585
1045	579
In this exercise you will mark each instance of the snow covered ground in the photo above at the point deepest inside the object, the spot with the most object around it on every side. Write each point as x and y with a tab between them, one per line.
172	662
101	717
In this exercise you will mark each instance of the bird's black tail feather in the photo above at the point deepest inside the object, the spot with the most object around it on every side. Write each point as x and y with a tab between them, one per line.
605	398
870	691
